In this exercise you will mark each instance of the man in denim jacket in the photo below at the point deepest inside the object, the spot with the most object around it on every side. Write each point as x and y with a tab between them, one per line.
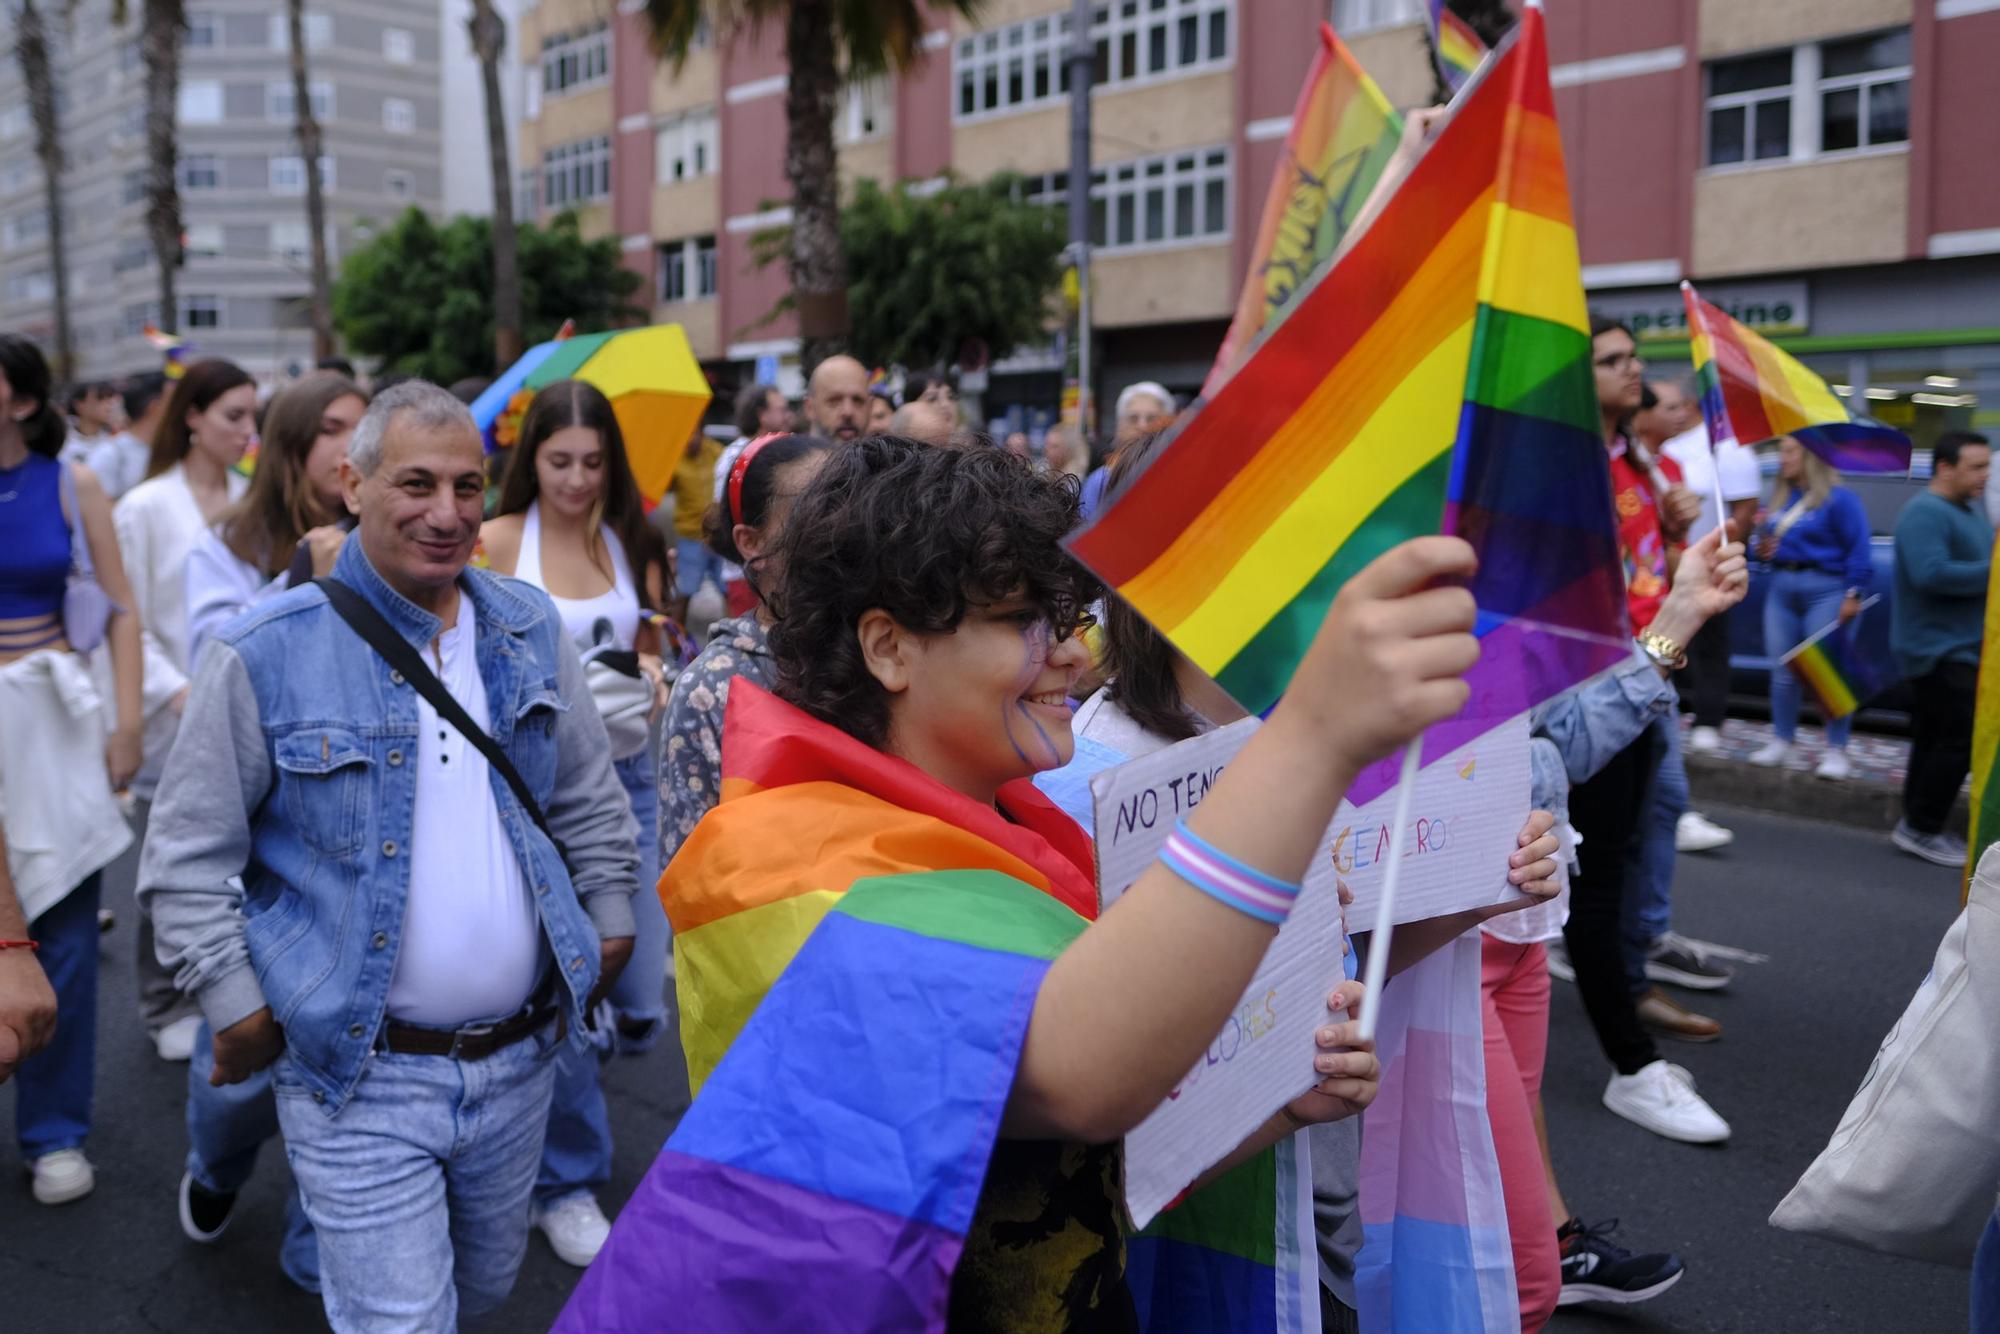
407	949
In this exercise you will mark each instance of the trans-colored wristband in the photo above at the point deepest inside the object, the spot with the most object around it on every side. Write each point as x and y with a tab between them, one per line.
1226	879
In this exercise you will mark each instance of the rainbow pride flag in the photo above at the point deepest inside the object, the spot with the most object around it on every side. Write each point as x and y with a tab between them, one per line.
1439	370
853	1016
1985	829
1343	134
1751	391
1832	670
1454	46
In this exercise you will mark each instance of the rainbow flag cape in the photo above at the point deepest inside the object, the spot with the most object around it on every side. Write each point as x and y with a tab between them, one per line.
1454	46
853	1017
1833	671
1751	391
1343	134
1439	370
1985	829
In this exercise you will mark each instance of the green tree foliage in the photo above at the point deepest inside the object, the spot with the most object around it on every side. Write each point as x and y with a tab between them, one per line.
420	295
929	270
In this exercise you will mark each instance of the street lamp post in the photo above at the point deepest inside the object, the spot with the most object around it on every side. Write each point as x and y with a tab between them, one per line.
1081	61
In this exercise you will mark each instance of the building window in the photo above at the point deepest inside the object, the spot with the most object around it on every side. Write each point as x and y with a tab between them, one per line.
1352	17
1172	199
203	30
200	102
290	240
201	312
398	184
867	111
133	320
684	145
687	269
37	286
399	115
14	121
527	194
132	188
572	61
1864	91
318	29
1818	98
288	174
204	241
200	171
279	103
1027	63
399	46
134	252
577	173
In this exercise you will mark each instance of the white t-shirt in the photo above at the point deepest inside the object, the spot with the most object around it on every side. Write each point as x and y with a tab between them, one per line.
1731	466
472	943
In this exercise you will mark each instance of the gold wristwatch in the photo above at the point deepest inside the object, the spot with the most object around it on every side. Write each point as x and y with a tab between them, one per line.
1664	652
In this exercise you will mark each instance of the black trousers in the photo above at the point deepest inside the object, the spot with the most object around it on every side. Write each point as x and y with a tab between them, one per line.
1610	812
1704	682
1940	743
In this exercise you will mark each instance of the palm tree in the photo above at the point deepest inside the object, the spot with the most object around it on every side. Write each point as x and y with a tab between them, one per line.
321	301
31	49
162	28
823	38
489	40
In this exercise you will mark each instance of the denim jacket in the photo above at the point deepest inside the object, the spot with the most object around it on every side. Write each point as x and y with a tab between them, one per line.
295	777
1578	732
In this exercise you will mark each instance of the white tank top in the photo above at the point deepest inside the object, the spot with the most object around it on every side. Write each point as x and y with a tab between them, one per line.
612	617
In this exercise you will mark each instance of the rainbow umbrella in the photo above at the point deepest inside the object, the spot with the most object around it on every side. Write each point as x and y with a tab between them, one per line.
655	385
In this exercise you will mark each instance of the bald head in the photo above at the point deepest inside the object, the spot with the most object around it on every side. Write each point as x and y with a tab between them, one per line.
837	398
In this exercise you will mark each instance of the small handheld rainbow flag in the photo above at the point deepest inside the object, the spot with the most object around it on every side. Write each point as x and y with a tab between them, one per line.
1343	134
1751	391
1455	46
1833	671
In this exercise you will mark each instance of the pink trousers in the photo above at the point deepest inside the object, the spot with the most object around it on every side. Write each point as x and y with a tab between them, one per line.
1514	982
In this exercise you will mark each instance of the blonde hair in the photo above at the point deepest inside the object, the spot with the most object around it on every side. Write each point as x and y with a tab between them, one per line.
1820	479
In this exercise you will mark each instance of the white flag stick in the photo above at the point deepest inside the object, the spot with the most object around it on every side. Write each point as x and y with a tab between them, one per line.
1385	908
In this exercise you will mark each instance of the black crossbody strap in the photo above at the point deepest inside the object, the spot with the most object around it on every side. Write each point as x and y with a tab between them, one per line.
400	654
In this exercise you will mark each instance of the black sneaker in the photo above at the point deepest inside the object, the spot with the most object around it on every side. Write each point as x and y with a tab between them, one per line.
1596	1270
1681	962
205	1213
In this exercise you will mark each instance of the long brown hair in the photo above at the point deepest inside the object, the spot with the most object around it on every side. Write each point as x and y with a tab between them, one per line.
576	403
1137	658
199	386
263	527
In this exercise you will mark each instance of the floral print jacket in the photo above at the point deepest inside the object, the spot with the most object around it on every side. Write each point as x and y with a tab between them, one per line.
691	767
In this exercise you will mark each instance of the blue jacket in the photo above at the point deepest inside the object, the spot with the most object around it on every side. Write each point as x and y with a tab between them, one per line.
1942	555
1834	539
294	770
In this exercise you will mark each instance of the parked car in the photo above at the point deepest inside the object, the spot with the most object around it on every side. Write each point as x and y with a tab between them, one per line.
1883	496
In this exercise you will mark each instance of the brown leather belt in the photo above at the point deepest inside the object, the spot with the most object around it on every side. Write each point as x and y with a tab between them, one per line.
473	1043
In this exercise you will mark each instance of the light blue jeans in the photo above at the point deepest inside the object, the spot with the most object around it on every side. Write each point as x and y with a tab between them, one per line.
1649	899
1799	603
419	1187
576	1157
226	1127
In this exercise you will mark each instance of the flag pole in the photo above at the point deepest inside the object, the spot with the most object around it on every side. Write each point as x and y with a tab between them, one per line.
1385	907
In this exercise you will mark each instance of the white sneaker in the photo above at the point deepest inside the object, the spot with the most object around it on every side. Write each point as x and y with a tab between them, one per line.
1704	740
1771	754
1661	1098
1835	765
175	1041
62	1176
1695	832
576	1229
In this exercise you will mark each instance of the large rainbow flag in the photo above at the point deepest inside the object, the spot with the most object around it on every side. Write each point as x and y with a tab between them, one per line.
853	1016
1752	391
1985	829
1454	45
1439	370
1343	134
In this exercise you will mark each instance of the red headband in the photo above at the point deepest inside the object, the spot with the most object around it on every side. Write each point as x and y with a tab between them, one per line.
740	470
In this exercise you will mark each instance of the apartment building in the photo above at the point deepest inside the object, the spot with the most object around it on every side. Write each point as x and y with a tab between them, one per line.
375	85
1827	168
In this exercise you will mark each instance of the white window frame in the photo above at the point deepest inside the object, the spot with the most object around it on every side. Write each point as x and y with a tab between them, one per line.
691	261
399	115
204	240
184	172
15	121
1863	81
287	163
1351	18
291	240
399	46
577	61
132	321
1805	94
684	145
318	31
278	101
577	173
199	102
392	175
204	29
988	59
867	111
36	285
201	303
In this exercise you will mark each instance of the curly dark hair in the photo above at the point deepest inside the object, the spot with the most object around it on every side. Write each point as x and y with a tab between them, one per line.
927	535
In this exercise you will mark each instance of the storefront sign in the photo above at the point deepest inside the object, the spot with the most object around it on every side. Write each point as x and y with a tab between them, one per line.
1658	312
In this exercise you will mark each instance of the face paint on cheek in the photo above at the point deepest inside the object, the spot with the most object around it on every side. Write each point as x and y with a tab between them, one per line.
1040	752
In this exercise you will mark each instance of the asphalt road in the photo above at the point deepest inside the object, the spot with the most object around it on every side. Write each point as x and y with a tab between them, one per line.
1850	925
